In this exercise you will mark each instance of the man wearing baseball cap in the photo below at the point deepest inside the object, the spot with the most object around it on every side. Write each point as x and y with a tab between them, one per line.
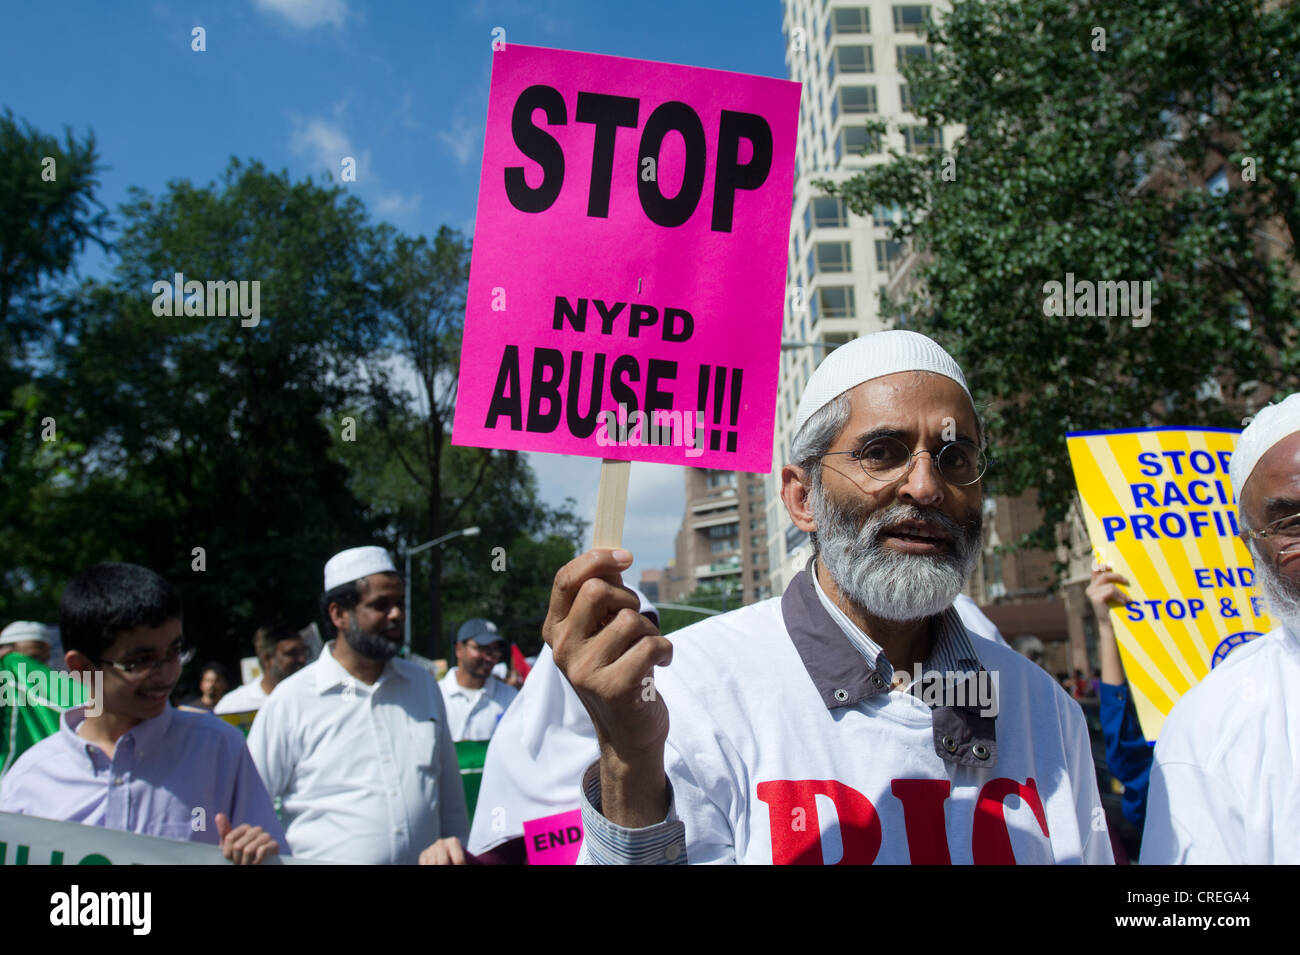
1223	785
801	715
476	700
357	744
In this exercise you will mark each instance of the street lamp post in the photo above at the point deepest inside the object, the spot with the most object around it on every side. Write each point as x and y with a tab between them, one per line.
410	552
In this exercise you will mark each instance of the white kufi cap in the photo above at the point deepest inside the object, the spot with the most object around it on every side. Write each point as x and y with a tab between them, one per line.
355	563
873	356
1270	426
22	630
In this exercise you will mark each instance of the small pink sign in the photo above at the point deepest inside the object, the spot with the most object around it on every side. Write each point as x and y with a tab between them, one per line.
554	840
628	278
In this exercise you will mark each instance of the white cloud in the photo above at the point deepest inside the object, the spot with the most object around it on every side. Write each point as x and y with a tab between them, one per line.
325	145
306	14
463	139
394	204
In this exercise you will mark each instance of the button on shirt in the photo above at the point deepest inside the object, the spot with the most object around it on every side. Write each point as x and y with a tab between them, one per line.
474	714
169	777
366	774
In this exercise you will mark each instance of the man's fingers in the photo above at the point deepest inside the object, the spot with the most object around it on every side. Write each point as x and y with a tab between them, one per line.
223	827
598	602
455	851
603	564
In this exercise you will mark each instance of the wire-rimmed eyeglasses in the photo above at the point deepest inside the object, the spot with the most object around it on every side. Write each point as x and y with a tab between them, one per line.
887	459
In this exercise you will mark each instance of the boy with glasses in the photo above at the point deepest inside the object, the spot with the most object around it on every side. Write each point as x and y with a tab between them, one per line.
139	765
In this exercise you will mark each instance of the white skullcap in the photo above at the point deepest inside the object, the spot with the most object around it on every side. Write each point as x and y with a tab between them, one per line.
21	630
873	356
355	563
1270	426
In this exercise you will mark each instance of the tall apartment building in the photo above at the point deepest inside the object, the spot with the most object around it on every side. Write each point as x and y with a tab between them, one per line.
722	543
848	56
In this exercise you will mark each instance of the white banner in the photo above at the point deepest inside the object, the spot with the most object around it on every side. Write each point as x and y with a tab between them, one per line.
28	840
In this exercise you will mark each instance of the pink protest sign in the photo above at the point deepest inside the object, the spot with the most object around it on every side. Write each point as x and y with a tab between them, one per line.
628	273
554	840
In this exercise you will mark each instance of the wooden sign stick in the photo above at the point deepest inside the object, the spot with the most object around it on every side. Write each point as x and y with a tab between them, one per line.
611	503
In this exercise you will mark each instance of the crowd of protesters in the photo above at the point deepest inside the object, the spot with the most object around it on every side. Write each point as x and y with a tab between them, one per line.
358	756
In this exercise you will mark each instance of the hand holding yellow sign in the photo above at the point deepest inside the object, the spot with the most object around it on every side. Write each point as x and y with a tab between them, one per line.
1159	509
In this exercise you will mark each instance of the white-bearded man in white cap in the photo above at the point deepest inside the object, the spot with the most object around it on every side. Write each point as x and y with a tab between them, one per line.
854	719
357	745
1224	782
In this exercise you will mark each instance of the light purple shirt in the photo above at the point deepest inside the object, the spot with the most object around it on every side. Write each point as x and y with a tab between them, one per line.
169	777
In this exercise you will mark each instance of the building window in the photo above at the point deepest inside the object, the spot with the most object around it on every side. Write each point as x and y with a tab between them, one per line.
851	20
721	546
904	97
851	59
886	215
854	141
723	530
906	54
829	257
886	251
827	213
853	99
721	479
756	543
910	19
919	139
835	301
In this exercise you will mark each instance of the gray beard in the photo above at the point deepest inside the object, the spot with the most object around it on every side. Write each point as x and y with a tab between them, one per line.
1283	599
886	583
369	645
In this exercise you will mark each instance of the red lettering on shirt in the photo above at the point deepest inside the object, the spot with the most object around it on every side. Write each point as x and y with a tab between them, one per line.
927	832
990	836
792	801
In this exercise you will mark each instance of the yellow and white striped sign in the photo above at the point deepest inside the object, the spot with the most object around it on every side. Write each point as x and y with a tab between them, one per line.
1160	510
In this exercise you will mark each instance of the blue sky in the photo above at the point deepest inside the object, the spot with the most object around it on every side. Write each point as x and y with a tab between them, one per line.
400	86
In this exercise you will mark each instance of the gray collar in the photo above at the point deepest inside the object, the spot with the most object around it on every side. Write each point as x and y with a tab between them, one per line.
843	678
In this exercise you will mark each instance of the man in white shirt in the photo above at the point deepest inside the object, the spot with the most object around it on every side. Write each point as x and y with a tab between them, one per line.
1223	784
282	652
854	719
476	700
357	745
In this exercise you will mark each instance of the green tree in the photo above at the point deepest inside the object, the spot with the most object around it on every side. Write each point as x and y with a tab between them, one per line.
214	433
48	214
1090	129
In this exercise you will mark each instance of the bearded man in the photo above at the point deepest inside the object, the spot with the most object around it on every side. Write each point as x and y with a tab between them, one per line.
1223	785
357	745
854	719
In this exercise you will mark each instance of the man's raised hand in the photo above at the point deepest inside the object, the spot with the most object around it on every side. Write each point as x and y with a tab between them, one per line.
608	652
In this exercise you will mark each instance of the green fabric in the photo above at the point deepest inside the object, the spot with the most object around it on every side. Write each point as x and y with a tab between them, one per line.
32	698
471	754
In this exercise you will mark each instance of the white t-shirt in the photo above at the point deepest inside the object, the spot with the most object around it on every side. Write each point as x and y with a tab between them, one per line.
1224	781
764	771
366	774
544	742
242	699
474	714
